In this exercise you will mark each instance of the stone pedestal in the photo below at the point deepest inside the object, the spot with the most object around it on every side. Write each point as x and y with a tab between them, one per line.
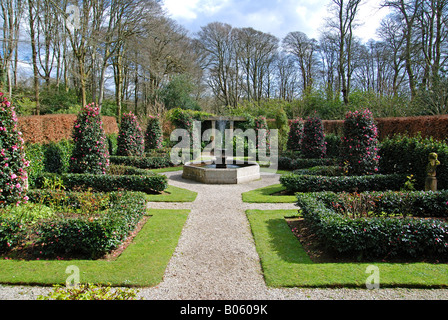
431	183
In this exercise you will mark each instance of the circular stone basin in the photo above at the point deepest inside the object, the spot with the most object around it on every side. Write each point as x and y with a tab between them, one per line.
206	172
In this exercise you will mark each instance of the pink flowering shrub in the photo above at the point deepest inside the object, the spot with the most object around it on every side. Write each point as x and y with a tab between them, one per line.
130	141
153	134
359	145
313	141
295	134
13	175
90	153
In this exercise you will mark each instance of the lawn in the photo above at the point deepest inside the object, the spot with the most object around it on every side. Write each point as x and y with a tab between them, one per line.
286	264
142	264
269	194
173	194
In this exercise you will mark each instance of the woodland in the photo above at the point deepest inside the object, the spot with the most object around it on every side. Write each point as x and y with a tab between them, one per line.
129	55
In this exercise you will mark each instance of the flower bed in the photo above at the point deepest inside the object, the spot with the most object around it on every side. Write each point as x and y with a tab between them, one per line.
81	225
376	237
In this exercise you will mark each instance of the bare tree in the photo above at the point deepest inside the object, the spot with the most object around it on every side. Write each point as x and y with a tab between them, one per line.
305	50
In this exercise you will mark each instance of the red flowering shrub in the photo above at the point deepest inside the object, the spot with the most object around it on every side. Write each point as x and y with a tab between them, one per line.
153	135
359	145
130	141
13	176
313	141
90	153
295	134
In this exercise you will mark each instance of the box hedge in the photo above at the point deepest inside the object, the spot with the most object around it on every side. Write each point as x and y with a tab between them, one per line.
90	236
149	183
314	183
374	238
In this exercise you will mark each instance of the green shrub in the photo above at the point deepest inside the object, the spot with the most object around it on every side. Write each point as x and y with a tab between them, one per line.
313	142
130	141
409	155
90	153
153	134
314	183
57	156
13	175
291	163
92	236
35	154
149	183
143	162
333	145
295	134
388	203
359	147
373	238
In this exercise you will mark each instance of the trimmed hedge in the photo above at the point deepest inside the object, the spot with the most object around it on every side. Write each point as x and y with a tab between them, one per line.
150	183
393	203
375	238
289	163
142	162
313	183
92	237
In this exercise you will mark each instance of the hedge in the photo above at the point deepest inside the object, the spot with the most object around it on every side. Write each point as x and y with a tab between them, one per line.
392	203
92	237
290	163
142	162
314	183
150	183
374	238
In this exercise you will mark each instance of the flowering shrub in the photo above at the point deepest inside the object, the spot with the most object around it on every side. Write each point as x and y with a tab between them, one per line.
359	146
90	152
313	141
13	175
295	134
153	135
130	141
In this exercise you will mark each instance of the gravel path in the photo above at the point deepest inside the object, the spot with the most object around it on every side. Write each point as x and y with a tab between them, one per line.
216	257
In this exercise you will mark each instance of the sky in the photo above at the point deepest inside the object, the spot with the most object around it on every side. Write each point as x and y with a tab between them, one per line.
277	17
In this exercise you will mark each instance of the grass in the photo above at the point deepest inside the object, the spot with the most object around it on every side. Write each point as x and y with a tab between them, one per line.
268	195
286	264
173	194
167	169
142	264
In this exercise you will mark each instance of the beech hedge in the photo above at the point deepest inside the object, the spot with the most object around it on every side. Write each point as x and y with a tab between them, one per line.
374	238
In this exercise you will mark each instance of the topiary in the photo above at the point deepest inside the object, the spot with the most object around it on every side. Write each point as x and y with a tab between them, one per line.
153	135
130	141
13	175
313	142
295	134
359	145
90	152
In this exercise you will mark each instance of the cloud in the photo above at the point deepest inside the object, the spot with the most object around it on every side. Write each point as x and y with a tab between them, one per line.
278	17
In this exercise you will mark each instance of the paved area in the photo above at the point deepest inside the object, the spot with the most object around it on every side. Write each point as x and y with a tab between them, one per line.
216	258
